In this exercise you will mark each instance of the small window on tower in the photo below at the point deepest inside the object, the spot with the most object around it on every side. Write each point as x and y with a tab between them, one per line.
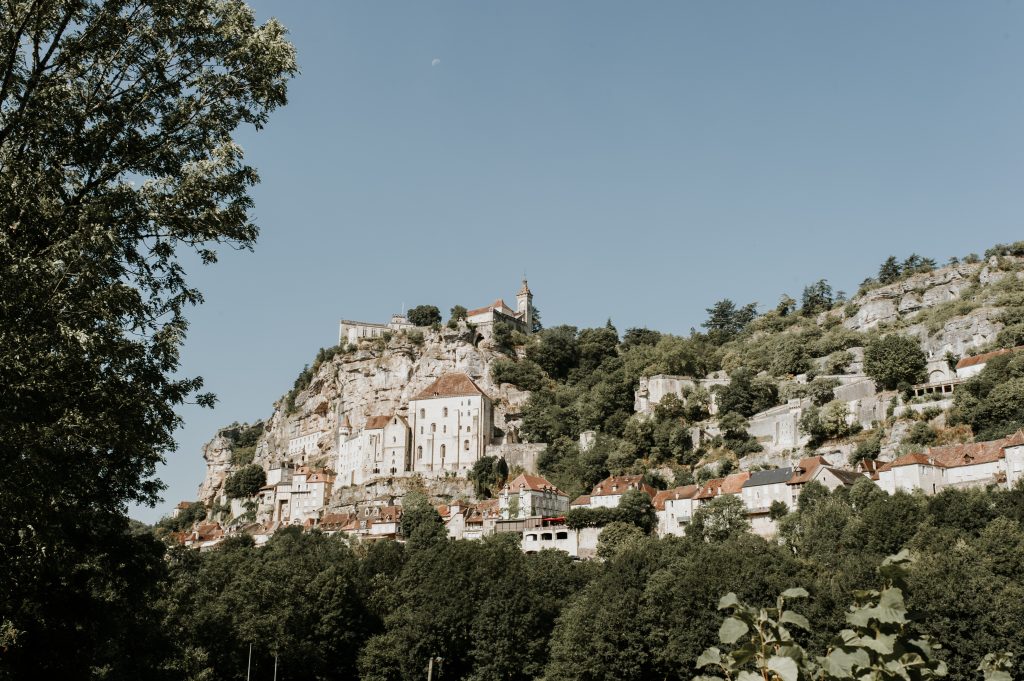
444	411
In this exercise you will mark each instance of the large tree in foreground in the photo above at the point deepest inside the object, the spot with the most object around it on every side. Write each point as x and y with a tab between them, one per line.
116	159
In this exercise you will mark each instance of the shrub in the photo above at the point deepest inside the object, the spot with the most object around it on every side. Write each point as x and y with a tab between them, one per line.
894	360
424	315
245	482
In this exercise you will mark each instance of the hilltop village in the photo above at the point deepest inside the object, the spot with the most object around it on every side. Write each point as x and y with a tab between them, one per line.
399	408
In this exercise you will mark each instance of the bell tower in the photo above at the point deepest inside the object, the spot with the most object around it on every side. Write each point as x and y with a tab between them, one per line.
524	306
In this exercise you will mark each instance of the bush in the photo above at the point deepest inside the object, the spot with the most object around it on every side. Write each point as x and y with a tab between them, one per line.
245	482
523	374
894	360
424	315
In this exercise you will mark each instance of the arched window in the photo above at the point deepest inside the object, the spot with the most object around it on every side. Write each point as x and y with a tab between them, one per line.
419	452
444	428
423	413
444	411
465	445
561	535
433	427
467	429
442	451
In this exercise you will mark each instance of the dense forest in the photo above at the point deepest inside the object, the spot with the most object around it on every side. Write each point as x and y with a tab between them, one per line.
330	609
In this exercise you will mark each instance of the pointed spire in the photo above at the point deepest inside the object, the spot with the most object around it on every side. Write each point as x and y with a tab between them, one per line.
525	289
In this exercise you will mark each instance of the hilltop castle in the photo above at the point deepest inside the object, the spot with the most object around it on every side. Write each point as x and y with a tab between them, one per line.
483	318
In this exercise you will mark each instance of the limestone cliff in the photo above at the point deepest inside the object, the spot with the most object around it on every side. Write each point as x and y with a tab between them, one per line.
376	378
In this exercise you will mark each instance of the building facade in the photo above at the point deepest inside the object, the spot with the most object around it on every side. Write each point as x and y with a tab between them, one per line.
451	422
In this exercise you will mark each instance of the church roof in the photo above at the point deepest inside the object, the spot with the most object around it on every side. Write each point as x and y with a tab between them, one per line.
376	422
524	289
498	305
451	385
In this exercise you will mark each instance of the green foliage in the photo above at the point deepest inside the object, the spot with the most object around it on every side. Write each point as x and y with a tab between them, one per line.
616	536
297	597
503	337
457	314
747	395
992	402
827	423
637	336
778	510
869	448
488	475
245	482
719	519
118	164
185	519
523	374
555	350
817	297
634	509
305	377
424	315
894	361
725	320
878	642
422	527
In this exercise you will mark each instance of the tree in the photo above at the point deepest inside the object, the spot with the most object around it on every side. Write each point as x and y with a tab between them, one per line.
778	510
458	313
725	320
424	315
615	536
487	474
555	350
116	158
635	508
894	361
817	298
640	336
422	527
719	519
889	271
245	482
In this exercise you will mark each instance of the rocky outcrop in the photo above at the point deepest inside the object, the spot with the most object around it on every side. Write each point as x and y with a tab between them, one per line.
217	454
888	304
377	378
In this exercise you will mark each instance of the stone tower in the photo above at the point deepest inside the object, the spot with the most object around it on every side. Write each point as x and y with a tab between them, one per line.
524	306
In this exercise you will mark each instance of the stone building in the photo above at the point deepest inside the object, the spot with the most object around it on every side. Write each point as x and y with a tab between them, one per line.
531	496
520	319
351	332
379	448
451	421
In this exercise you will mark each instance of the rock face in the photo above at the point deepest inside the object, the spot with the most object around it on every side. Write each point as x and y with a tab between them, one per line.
887	304
377	378
217	454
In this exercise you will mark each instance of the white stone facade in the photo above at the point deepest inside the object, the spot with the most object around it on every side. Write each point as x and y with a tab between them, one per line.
451	422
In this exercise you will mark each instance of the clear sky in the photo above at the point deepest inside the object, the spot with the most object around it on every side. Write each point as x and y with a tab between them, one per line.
637	160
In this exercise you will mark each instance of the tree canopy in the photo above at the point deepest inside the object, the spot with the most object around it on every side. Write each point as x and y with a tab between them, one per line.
117	156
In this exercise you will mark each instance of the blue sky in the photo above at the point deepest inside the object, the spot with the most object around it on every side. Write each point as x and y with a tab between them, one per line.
637	160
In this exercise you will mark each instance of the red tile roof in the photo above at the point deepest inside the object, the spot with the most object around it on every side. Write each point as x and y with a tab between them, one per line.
953	456
620	484
804	470
985	357
376	422
710	489
450	385
581	500
498	304
733	484
533	483
684	492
